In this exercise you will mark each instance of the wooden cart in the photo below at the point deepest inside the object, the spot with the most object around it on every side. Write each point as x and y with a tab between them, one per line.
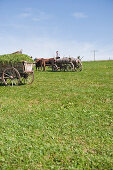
16	73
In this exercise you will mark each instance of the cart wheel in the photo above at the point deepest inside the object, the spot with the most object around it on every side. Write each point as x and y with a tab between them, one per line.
27	78
78	67
69	67
23	80
11	76
54	67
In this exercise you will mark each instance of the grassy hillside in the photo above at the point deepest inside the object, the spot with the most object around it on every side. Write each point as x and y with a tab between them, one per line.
61	121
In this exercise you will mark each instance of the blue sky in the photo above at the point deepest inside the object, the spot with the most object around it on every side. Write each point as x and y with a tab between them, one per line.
73	27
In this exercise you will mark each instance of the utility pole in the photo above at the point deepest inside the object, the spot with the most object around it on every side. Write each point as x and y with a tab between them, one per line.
94	51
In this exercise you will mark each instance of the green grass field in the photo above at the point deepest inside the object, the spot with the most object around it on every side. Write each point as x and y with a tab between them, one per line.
61	121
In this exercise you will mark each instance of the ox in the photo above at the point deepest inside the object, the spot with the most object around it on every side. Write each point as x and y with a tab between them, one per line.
43	63
63	63
77	64
38	63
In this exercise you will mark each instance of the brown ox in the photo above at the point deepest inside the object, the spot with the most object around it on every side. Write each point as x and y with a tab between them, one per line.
38	63
43	63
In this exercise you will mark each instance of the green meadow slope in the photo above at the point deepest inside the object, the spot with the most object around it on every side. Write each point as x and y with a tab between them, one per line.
61	121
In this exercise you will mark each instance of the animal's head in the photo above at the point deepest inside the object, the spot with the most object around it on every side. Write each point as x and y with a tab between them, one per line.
78	60
57	57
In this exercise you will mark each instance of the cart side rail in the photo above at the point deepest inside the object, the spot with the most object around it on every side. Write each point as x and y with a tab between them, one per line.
22	67
28	67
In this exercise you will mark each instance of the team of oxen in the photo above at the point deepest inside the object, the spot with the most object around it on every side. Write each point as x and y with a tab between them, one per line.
57	63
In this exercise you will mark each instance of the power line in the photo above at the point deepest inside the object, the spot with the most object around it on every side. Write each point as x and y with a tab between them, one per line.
94	51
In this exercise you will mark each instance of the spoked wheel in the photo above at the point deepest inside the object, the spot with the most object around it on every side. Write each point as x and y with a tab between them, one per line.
78	67
27	78
69	67
54	67
11	76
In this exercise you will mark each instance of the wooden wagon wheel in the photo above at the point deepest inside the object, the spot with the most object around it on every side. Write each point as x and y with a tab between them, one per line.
11	76
70	67
78	67
27	78
54	67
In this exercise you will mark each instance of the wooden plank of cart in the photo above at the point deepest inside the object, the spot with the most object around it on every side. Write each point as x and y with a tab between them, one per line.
16	73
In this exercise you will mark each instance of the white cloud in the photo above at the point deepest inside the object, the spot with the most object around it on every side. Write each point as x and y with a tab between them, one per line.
35	16
47	47
41	16
79	15
25	14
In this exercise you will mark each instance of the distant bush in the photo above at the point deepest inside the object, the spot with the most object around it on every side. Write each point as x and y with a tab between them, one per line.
14	58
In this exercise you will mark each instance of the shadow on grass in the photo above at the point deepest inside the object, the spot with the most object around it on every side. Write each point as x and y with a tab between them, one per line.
54	71
2	84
